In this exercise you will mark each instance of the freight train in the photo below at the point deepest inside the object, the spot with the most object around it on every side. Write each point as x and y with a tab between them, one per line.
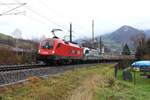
58	51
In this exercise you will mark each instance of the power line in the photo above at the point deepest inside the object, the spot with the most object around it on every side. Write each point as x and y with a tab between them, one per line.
12	9
35	12
54	11
46	18
16	13
11	3
42	16
46	6
37	20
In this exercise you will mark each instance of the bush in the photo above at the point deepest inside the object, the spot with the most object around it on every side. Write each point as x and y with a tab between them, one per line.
7	56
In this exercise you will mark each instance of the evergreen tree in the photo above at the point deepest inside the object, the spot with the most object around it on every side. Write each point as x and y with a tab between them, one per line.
126	50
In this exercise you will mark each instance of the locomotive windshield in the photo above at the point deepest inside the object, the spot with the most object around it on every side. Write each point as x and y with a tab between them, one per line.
47	44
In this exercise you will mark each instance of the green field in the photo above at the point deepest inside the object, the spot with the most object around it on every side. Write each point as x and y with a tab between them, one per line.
125	90
93	83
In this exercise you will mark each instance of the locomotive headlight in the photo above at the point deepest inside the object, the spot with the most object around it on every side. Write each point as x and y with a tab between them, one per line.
53	52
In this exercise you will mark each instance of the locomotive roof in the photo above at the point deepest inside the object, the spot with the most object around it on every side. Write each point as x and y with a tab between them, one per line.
65	42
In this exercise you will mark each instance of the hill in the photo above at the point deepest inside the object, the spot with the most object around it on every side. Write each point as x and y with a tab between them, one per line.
147	32
7	41
117	39
9	46
124	34
3	36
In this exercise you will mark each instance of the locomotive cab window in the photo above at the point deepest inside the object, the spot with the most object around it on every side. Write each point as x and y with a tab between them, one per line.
86	51
59	45
47	44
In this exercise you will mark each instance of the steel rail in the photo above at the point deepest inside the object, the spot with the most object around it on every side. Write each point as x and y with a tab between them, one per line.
20	67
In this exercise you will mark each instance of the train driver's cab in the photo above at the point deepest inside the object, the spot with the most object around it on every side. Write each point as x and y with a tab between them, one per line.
47	44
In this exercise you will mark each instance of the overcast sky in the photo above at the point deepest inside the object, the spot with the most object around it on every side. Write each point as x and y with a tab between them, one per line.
39	17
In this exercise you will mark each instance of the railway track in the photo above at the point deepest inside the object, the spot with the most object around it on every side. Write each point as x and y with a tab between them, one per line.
5	68
12	75
20	67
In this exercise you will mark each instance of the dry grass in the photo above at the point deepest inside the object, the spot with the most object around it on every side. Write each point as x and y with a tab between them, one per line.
78	84
87	90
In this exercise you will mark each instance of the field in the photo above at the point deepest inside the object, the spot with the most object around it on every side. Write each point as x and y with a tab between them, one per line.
93	83
125	90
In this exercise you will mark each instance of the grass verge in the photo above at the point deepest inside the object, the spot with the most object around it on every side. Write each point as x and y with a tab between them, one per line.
125	90
93	83
58	87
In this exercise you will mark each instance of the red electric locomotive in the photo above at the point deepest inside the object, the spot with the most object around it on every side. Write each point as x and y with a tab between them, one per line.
55	50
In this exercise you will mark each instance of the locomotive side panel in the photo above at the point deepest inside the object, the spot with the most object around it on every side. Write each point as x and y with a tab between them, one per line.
68	50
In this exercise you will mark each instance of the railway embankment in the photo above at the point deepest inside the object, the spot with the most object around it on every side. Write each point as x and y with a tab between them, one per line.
11	77
21	74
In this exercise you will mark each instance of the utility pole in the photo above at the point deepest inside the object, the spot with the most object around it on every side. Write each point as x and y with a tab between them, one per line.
100	42
70	32
93	32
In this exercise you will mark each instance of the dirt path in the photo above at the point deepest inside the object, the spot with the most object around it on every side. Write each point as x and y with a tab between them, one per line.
87	89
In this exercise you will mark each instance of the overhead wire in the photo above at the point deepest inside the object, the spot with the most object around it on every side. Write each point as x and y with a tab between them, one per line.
45	17
45	5
6	4
29	17
62	17
42	16
9	3
12	9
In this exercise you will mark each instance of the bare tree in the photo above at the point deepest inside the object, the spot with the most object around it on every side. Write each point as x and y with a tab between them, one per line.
139	42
